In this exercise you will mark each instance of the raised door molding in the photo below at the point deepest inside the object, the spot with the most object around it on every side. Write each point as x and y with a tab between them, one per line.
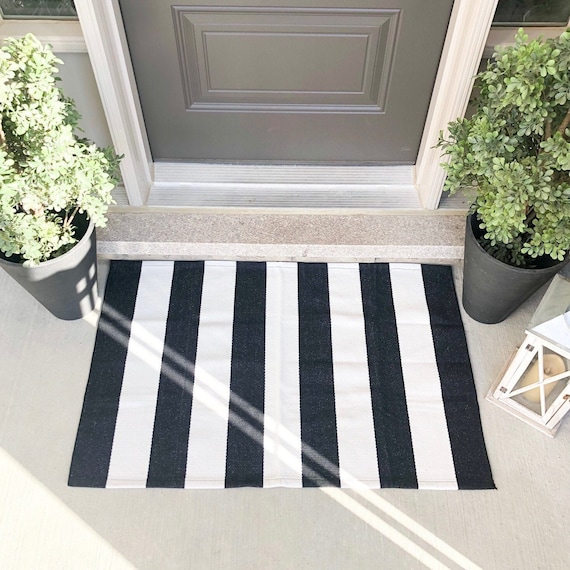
353	49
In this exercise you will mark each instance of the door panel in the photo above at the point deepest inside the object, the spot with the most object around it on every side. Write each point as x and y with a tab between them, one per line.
288	62
317	82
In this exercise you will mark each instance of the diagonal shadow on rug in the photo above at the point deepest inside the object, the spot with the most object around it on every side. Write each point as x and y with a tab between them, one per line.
226	374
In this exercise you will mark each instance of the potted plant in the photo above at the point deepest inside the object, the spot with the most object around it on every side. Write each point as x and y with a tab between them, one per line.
512	157
54	186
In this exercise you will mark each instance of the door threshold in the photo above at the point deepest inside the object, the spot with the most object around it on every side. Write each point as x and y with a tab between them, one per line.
259	186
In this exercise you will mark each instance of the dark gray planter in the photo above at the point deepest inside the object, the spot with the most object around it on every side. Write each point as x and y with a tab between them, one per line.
67	285
492	290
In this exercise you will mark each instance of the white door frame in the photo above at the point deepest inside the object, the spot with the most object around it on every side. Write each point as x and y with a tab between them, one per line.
107	47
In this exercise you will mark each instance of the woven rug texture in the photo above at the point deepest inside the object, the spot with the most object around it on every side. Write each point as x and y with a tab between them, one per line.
217	374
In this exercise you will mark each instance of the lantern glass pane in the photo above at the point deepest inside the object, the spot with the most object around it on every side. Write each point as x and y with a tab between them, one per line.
553	364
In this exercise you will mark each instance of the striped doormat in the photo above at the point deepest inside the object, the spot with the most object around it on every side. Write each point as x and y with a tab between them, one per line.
226	374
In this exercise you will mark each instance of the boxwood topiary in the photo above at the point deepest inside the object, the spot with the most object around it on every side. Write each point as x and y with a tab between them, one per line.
513	153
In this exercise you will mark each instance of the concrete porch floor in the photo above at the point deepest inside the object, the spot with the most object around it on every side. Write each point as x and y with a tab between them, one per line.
44	524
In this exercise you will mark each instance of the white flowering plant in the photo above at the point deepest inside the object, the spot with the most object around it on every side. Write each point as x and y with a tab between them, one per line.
48	174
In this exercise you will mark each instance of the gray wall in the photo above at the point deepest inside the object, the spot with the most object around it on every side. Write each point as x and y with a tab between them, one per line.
78	82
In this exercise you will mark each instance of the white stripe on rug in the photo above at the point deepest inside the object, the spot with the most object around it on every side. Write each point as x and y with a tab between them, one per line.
207	441
355	428
432	448
137	405
282	417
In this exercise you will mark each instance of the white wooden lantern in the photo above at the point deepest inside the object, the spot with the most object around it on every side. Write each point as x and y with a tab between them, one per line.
535	385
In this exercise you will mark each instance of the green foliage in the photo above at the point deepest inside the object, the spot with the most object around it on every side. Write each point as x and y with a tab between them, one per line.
47	173
514	152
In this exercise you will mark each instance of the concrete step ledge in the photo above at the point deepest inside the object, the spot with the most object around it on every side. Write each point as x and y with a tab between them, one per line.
432	237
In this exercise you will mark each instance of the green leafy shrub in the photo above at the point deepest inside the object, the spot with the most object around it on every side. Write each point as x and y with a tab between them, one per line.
513	153
47	174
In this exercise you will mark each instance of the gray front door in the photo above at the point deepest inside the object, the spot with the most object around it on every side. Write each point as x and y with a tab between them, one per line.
313	81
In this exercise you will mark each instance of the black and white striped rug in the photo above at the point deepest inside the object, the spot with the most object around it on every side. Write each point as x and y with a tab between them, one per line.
225	374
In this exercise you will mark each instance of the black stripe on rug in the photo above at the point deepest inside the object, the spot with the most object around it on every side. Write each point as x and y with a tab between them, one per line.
169	450
94	440
318	418
391	423
472	468
244	458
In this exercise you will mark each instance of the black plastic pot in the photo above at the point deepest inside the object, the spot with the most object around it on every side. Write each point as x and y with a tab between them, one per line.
67	285
492	290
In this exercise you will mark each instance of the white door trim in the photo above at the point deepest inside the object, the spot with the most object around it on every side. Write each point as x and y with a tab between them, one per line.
462	52
106	43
